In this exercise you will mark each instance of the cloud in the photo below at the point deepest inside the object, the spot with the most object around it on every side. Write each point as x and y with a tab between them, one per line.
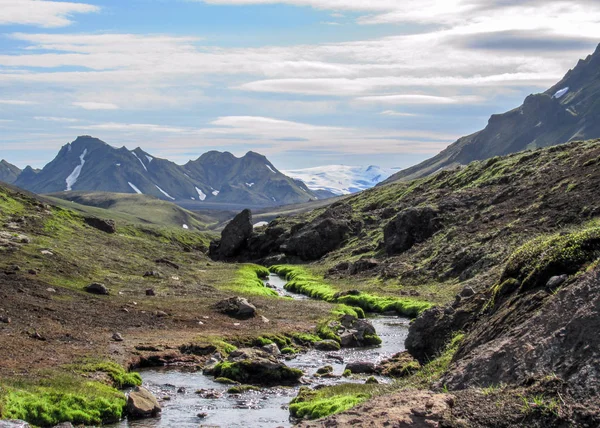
90	105
56	119
41	13
420	99
398	113
137	127
17	102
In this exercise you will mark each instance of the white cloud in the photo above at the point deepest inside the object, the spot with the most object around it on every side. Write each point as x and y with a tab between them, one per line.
420	99
17	102
137	127
41	13
398	113
56	119
91	105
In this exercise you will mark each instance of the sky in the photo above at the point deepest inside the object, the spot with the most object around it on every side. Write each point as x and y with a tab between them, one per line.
305	82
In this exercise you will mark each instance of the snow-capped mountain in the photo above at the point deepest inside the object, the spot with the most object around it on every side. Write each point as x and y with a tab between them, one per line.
89	164
341	179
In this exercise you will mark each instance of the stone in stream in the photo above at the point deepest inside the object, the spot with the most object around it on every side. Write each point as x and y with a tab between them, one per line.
271	349
255	366
141	404
361	367
400	365
327	345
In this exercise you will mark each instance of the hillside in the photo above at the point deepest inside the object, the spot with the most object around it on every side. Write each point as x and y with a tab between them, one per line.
133	209
89	164
568	111
507	248
8	172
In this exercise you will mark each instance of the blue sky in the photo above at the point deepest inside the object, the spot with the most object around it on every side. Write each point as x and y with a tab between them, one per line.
305	82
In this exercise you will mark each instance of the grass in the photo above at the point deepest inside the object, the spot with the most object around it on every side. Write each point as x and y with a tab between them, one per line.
60	398
534	263
248	280
311	404
301	281
120	378
540	404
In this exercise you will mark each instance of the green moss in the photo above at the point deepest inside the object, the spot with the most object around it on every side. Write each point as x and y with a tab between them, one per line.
288	351
347	373
312	404
372	340
241	389
301	281
534	263
247	372
121	378
305	339
226	381
248	281
61	398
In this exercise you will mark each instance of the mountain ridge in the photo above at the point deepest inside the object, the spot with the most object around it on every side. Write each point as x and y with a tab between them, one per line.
8	172
567	111
90	164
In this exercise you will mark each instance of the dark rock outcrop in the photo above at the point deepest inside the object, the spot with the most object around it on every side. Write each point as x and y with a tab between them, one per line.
237	307
108	226
234	237
410	227
316	239
361	367
97	288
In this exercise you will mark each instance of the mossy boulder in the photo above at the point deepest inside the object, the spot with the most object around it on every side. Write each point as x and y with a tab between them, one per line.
254	366
400	365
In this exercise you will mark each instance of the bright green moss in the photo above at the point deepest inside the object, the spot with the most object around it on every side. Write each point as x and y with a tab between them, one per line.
312	404
121	378
248	281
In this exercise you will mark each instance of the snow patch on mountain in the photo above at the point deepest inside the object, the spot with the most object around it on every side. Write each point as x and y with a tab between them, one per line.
201	194
561	92
165	193
270	169
72	178
150	158
135	189
136	156
341	179
249	184
215	192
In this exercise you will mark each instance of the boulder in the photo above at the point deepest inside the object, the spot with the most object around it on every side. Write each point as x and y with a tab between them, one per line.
107	226
167	262
141	403
399	365
234	237
411	226
237	307
117	337
14	424
271	349
255	366
362	266
97	288
556	281
361	367
327	345
317	238
150	292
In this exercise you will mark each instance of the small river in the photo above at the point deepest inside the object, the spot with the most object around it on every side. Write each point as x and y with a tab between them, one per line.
268	407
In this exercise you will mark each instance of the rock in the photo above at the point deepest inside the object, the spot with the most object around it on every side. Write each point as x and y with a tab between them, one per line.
107	226
4	319
167	262
97	288
371	381
150	292
181	390
467	292
202	415
161	314
400	365
411	226
153	274
271	349
14	423
264	319
64	425
141	403
556	281
234	237
209	394
236	307
348	320
317	238
46	253
362	266
117	337
254	366
51	290
325	370
327	345
32	272
361	367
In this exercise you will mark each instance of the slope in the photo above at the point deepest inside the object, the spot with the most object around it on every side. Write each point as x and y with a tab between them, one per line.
8	172
566	112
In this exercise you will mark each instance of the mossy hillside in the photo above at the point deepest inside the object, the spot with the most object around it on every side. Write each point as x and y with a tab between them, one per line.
68	395
302	281
534	263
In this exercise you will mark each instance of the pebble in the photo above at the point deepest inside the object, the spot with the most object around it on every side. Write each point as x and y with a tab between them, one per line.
117	337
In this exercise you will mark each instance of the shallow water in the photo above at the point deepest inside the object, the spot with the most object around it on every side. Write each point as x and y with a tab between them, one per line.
266	408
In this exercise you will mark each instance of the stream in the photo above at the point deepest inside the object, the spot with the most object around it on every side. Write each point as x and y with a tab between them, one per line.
265	408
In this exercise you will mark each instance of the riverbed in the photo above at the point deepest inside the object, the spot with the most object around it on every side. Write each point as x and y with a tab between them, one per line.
268	407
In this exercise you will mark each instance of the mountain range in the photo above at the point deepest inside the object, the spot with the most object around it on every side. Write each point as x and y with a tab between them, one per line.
8	172
568	111
341	179
89	164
